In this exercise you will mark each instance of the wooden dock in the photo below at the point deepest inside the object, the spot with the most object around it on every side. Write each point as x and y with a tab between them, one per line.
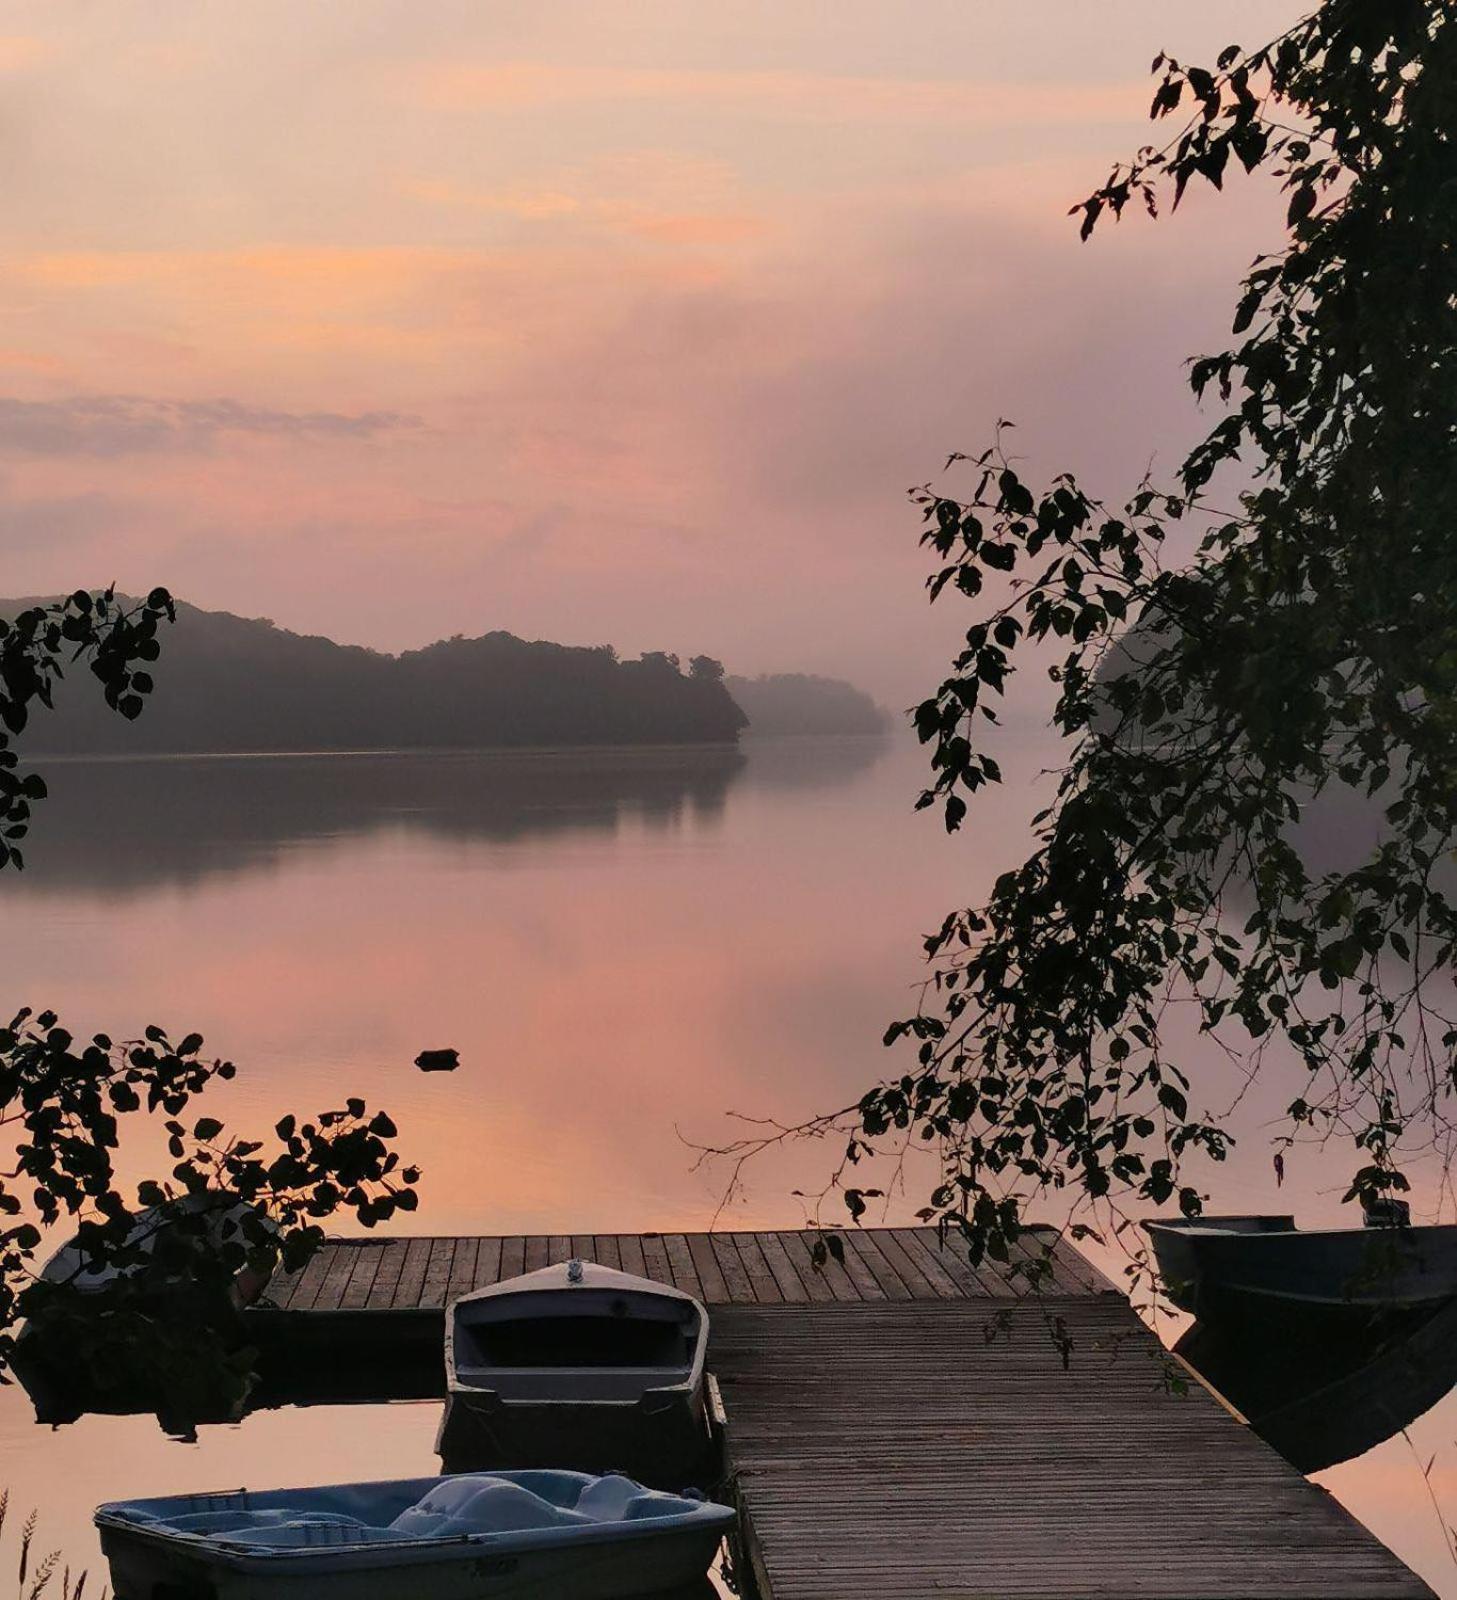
889	1439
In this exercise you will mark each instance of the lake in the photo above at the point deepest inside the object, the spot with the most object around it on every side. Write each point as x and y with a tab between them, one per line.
626	947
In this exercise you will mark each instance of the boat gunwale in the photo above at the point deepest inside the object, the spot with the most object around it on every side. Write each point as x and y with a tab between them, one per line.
1200	1228
685	1378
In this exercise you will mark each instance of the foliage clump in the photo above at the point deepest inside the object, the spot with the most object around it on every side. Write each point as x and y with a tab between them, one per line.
163	1332
1308	644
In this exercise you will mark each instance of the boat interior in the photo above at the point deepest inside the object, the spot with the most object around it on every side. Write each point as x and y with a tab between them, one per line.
606	1344
442	1508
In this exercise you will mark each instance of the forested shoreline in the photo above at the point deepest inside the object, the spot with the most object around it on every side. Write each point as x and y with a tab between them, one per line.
230	684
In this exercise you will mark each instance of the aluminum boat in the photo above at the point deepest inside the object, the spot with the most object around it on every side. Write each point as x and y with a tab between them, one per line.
1225	1267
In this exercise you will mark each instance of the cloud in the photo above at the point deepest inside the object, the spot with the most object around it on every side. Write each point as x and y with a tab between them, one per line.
834	98
35	528
118	425
528	204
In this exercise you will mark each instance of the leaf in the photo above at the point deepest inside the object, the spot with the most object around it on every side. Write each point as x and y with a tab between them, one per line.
1302	203
1172	1100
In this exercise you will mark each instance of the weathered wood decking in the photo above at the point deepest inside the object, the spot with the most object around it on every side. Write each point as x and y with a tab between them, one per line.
775	1268
887	1442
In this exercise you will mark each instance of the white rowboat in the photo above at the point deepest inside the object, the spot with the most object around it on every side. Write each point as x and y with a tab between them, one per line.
576	1365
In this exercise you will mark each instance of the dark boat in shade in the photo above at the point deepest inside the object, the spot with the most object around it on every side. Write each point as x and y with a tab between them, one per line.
1223	1268
63	1358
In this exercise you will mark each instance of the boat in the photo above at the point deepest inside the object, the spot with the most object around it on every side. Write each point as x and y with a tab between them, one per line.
576	1365
159	1268
476	1536
161	1244
1224	1268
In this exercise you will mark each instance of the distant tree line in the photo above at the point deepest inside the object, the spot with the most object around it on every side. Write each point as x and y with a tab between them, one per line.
235	684
240	684
797	702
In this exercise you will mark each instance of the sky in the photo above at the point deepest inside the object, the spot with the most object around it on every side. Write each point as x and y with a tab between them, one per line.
624	323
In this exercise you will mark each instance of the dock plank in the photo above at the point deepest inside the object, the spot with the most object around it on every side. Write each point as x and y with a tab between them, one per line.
412	1275
437	1272
630	1251
1068	1485
761	1281
740	1291
513	1256
606	1253
951	1258
866	1286
945	1282
367	1258
828	1281
655	1259
791	1285
462	1277
914	1270
992	1277
680	1263
710	1274
306	1288
386	1280
892	1284
337	1275
488	1264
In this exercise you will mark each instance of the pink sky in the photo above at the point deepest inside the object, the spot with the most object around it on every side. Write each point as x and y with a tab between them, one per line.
620	323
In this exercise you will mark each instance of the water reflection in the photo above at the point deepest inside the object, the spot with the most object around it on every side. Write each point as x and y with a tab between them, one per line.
122	827
622	944
1322	1396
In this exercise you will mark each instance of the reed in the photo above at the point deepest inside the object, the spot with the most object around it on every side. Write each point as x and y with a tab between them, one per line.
37	1576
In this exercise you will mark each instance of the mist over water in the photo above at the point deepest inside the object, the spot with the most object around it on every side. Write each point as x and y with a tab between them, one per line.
624	945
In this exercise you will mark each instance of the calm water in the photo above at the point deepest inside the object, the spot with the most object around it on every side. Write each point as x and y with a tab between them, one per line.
625	947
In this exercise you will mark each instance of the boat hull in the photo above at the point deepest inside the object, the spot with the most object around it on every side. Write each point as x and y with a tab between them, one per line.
1226	1273
665	1445
666	1563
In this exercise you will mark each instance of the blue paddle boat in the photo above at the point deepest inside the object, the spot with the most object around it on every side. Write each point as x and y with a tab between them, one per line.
472	1536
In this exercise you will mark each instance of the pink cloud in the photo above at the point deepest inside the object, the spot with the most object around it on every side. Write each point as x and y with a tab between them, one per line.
796	96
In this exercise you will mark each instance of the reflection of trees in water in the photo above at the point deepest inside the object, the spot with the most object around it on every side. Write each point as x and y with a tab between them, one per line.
128	826
810	761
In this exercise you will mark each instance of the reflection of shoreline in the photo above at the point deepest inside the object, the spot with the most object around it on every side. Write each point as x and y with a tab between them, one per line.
121	826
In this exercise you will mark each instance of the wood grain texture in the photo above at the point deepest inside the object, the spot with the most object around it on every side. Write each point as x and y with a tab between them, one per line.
893	1452
772	1268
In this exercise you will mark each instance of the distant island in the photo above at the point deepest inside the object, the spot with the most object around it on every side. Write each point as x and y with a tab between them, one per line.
229	684
796	702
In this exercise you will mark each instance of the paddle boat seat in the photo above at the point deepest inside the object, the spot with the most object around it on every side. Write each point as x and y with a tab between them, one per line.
451	1508
477	1535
